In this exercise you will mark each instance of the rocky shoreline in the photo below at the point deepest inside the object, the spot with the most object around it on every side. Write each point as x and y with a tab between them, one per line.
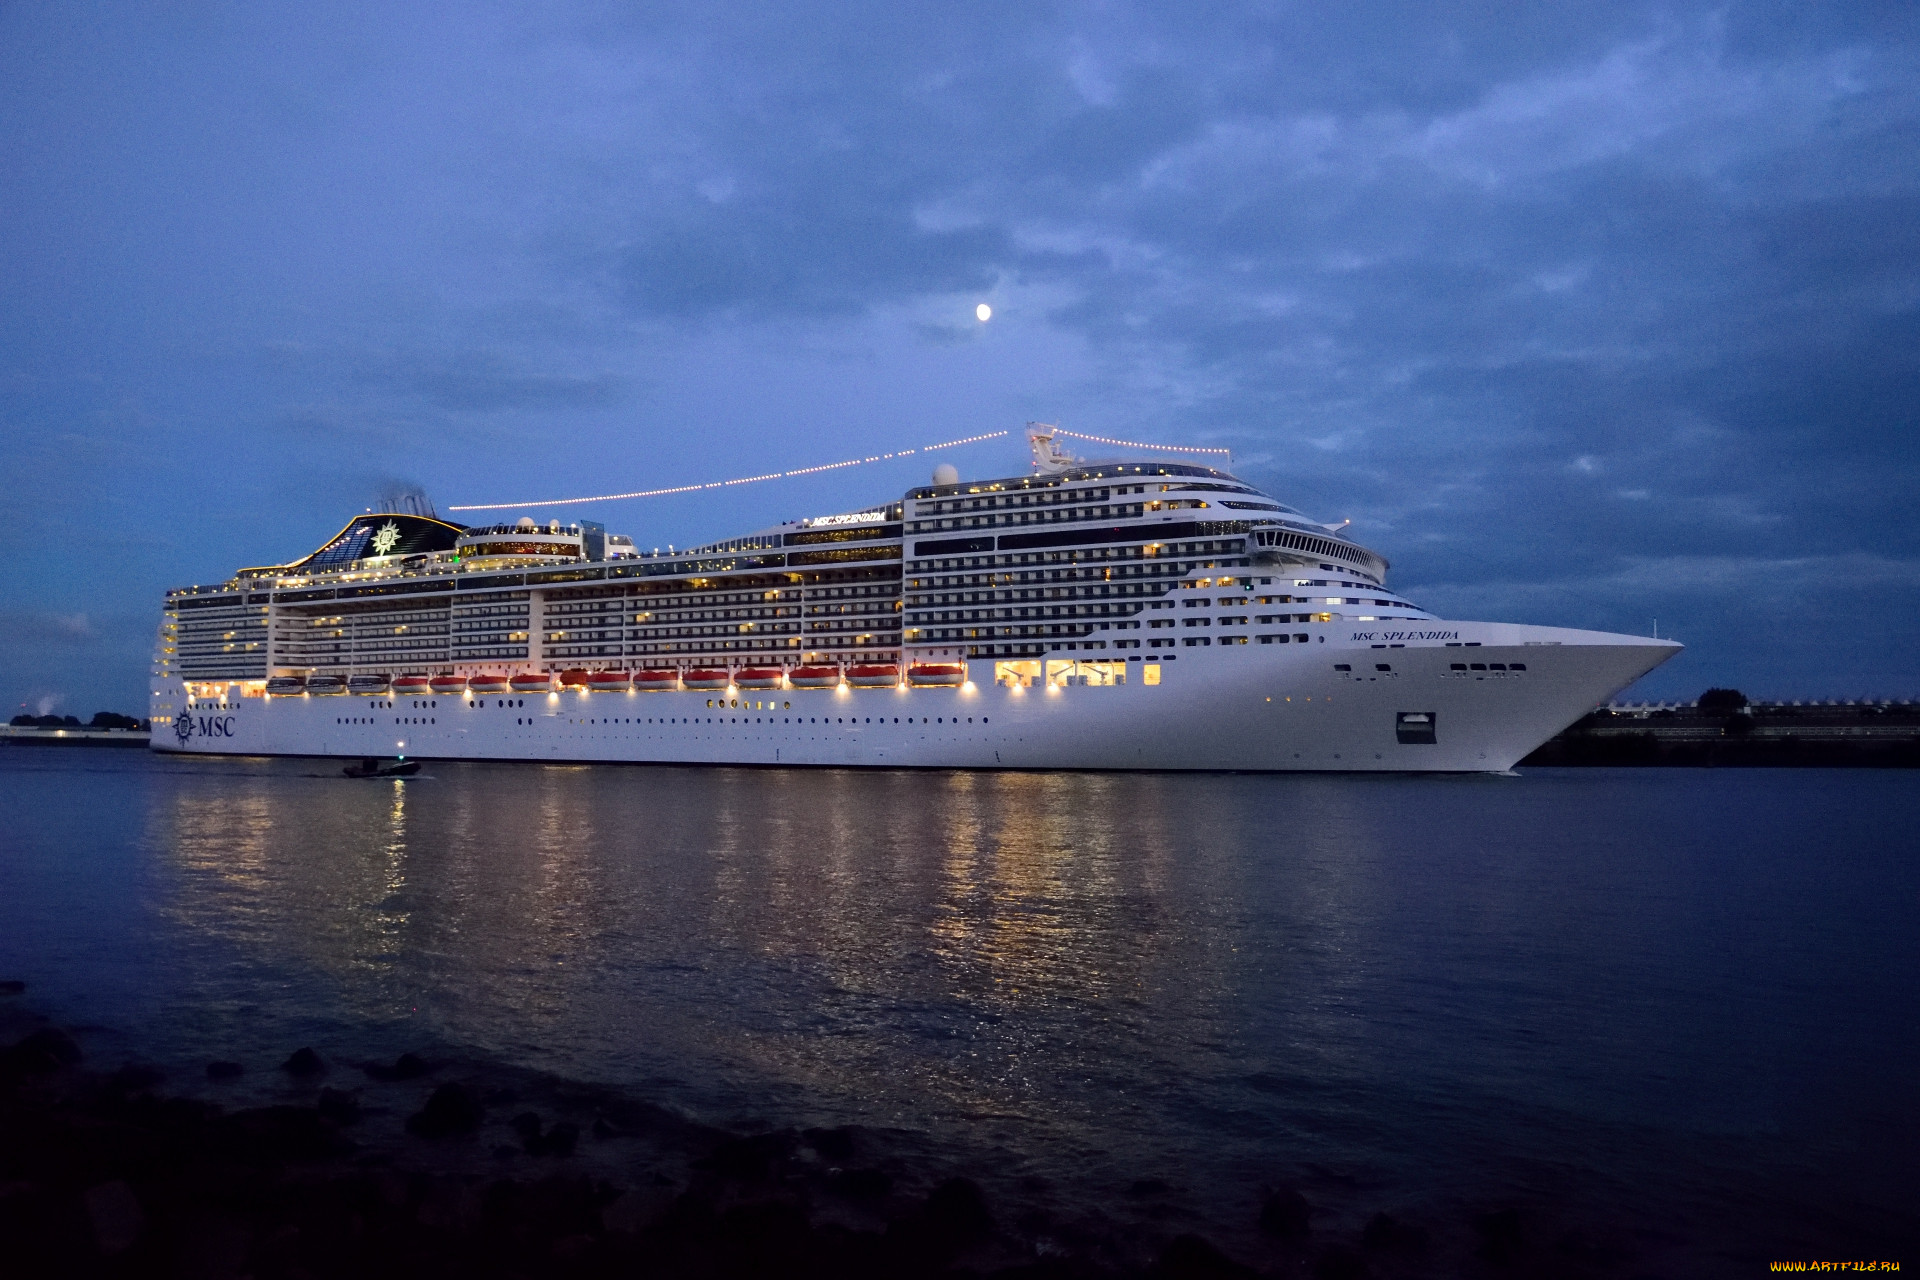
411	1168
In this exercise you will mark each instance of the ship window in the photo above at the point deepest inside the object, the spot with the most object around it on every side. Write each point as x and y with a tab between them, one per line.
1342	666
1383	666
1517	666
1496	666
1457	666
1479	666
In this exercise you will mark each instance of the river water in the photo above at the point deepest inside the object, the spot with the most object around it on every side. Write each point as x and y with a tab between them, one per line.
1670	1015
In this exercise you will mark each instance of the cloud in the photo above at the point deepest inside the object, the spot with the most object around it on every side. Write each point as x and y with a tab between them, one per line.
48	629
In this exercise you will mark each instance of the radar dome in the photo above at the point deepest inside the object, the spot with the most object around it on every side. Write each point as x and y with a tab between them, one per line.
526	524
946	473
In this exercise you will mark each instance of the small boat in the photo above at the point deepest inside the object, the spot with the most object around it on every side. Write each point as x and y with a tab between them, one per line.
490	684
420	686
574	679
445	686
873	675
814	677
371	768
609	682
326	685
706	679
656	681
286	686
937	673
368	686
758	677
532	682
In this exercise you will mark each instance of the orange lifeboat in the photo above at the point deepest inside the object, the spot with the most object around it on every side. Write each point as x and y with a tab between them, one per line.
937	673
873	675
420	686
708	679
814	677
609	682
757	677
286	686
656	681
532	682
485	684
445	686
575	679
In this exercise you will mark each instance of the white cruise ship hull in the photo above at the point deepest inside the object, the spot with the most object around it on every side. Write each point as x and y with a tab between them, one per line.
1261	708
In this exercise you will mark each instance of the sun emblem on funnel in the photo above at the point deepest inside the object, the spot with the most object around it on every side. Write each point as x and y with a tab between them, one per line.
384	540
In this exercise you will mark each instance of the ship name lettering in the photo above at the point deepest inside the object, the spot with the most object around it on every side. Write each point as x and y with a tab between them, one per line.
1406	635
216	726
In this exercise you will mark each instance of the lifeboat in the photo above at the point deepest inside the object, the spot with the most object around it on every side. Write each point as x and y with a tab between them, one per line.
937	673
873	675
814	677
575	679
445	686
532	682
284	686
485	684
367	686
609	682
326	684
420	686
707	679
656	681
758	677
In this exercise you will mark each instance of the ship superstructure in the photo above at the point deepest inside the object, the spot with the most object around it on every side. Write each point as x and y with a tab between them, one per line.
1079	601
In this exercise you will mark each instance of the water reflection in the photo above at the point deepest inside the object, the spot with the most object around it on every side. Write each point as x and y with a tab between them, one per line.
1211	978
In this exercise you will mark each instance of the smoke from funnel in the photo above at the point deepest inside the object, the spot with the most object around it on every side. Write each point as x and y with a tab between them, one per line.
404	497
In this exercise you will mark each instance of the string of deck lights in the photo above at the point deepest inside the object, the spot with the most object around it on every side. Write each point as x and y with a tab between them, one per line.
721	484
1135	444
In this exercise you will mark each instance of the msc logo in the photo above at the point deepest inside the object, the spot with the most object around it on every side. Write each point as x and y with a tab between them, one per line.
186	727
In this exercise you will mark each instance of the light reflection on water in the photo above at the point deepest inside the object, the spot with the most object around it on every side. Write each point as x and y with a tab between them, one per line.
1411	992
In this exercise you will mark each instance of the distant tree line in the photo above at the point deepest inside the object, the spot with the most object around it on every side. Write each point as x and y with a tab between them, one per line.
101	720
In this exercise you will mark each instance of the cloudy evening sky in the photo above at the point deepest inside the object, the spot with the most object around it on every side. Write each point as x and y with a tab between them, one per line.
1584	314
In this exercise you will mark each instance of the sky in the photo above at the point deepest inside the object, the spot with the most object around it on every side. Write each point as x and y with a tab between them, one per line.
1585	315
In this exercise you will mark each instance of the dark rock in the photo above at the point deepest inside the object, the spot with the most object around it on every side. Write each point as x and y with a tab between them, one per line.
957	1213
1500	1235
859	1184
338	1106
634	1211
302	1063
47	1049
450	1111
407	1066
560	1139
1383	1231
224	1070
832	1144
1191	1258
133	1079
1148	1187
1284	1214
528	1125
749	1159
275	1134
115	1216
1340	1263
11	986
603	1130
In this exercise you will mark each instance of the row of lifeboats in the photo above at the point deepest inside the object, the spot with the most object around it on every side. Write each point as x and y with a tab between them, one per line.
871	675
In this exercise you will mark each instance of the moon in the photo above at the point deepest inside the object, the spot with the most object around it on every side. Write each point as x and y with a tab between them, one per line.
984	312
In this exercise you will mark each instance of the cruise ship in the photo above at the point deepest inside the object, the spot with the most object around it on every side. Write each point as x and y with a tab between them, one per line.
1087	615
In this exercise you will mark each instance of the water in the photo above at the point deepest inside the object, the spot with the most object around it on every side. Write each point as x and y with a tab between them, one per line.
1671	1015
